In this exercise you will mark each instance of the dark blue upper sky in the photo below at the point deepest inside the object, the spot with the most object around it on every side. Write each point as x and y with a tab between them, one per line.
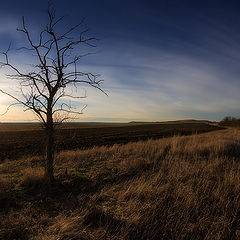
160	59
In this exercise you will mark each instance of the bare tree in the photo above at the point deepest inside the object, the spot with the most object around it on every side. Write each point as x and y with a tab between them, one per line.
45	89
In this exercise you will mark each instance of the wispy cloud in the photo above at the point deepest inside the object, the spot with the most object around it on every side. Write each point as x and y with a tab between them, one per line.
173	69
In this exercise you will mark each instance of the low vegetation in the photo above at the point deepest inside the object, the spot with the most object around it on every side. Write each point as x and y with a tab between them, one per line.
183	187
230	121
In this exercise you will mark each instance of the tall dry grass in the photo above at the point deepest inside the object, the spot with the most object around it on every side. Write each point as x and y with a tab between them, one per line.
173	188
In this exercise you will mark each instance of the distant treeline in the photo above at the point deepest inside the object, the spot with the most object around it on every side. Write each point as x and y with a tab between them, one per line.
230	121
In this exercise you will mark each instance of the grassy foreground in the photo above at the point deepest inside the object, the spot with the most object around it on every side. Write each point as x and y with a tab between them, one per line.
175	188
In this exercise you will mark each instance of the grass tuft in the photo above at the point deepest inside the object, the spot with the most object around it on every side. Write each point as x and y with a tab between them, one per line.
33	178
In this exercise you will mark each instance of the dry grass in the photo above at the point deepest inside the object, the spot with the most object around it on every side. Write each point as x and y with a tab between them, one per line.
173	188
33	177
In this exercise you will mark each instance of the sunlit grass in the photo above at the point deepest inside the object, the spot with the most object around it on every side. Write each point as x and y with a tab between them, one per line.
173	188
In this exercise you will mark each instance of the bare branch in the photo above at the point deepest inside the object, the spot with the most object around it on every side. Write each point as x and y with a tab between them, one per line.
45	85
8	108
25	104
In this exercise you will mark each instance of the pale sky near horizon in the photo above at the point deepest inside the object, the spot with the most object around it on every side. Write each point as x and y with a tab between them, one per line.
160	60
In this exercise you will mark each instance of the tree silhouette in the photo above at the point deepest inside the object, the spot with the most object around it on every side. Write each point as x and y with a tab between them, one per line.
46	89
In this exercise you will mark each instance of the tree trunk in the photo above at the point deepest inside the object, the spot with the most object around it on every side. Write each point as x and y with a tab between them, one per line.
49	154
49	144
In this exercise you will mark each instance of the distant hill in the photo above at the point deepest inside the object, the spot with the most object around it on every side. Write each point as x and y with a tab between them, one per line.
175	121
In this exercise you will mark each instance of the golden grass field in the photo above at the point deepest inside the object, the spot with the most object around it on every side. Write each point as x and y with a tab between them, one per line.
184	187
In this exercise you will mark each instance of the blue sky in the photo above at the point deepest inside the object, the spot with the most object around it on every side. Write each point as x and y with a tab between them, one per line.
161	60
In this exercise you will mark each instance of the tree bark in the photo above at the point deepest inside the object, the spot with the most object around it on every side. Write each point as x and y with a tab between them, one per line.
49	145
49	154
